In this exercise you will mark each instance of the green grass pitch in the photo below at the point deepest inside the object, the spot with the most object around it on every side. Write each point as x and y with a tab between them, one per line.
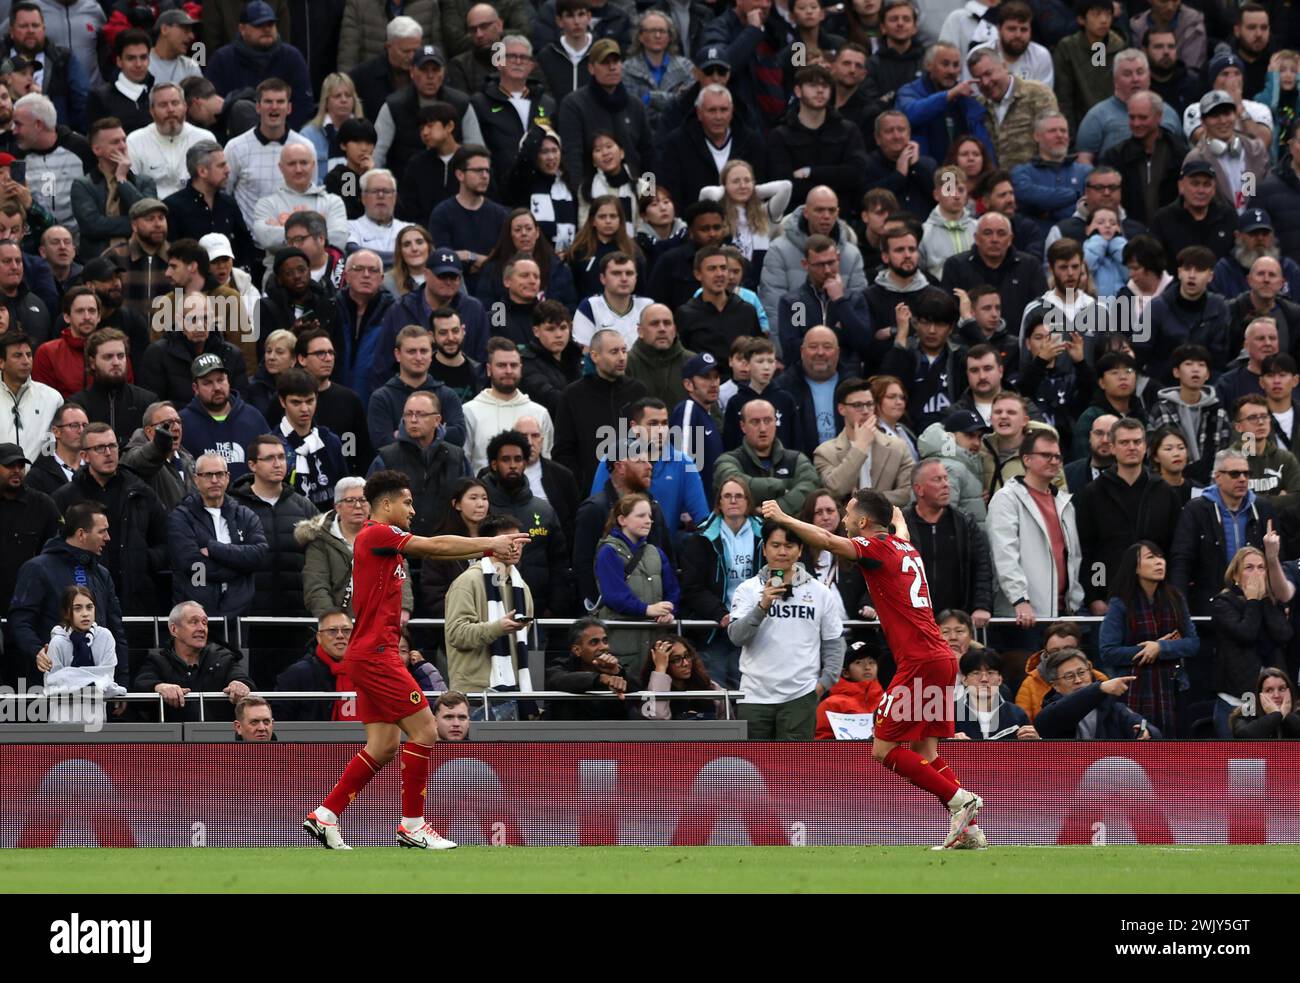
889	869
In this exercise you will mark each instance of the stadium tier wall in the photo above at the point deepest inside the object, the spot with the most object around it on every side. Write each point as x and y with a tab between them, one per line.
683	794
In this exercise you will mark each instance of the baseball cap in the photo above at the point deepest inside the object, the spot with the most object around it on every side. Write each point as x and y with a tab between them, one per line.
713	56
99	270
429	53
1215	99
701	364
965	421
6	159
15	63
1197	165
257	12
602	49
217	245
1253	220
860	650
206	364
147	206
1226	60
444	261
11	454
173	18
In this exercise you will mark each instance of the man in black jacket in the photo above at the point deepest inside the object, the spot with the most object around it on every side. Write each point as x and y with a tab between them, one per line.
202	207
552	360
63	79
128	97
1078	707
389	71
1147	162
587	665
898	166
430	464
28	518
494	104
714	320
315	671
604	104
815	144
952	544
545	560
190	663
898	59
136	553
110	398
689	156
1197	218
594	406
397	122
673	281
993	260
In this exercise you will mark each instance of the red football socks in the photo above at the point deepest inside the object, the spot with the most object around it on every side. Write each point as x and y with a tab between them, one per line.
355	776
911	766
941	766
415	778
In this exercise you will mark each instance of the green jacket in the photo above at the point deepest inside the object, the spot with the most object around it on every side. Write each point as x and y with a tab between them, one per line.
661	372
1083	77
787	476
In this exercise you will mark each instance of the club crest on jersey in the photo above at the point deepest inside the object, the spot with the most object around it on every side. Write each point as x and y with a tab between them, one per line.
398	532
415	697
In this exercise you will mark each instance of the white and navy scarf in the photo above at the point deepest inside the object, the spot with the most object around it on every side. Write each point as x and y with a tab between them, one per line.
503	670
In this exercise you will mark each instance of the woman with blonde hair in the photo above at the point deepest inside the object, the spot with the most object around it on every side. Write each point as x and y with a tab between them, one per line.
339	102
753	211
1252	632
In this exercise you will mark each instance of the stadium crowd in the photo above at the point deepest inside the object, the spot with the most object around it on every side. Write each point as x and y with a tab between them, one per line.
615	273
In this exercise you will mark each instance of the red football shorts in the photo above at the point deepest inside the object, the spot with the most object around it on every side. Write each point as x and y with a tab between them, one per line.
386	693
919	703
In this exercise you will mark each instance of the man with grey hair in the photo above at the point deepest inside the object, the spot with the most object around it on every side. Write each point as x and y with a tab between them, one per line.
203	207
1049	184
507	104
695	152
1079	708
1148	160
189	662
54	156
154	453
159	151
377	230
1106	124
378	74
298	192
940	106
216	544
994	260
1013	104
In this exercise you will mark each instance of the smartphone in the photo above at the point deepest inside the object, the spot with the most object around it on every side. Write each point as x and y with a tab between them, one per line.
524	619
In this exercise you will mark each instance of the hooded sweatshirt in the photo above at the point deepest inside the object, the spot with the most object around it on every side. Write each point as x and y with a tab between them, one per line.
486	416
1205	426
943	238
965	469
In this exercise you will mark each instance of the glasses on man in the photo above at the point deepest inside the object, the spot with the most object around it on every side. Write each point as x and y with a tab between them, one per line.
868	404
1078	676
271	458
321	353
102	448
1045	454
71	426
212	475
352	501
337	632
1254	418
1236	474
418	414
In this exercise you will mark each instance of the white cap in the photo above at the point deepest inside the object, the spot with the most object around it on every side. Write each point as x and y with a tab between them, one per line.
217	245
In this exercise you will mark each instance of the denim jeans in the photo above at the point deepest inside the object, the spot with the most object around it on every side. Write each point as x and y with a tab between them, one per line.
1222	710
722	660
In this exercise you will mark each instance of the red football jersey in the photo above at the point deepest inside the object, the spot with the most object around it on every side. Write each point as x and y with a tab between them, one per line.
377	577
893	570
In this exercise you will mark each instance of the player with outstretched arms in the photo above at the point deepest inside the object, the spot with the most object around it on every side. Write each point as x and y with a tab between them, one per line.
389	702
918	709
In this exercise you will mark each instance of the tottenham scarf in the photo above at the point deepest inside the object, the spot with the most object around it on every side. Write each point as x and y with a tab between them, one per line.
503	670
306	447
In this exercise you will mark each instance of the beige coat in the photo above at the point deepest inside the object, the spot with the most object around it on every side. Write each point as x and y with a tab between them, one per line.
1013	138
470	634
840	463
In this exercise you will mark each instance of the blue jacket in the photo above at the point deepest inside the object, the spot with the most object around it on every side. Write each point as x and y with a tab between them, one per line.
927	108
1230	279
384	413
614	591
700	437
227	438
412	308
36	606
849	317
238	66
675	484
1116	652
1047	191
223	580
1060	716
358	344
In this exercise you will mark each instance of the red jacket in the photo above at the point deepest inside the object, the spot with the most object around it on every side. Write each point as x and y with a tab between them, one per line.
61	363
847	697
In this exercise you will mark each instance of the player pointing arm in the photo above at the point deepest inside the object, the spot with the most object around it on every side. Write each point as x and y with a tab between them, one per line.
819	538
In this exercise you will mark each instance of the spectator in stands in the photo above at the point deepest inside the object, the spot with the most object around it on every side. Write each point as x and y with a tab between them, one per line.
951	543
1033	539
102	199
160	150
594	405
354	142
521	236
1213	527
142	258
1080	82
713	319
862	455
496	408
80	659
760	355
73	559
362	305
773	471
167	361
30	404
1107	123
376	229
674	664
982	712
949	228
59	250
934	370
430	462
1099	455
1049	185
1101	189
1260	342
155	455
695	153
1078	708
126	98
191	662
397	123
326	541
1197	217
587	665
254	156
26	309
64	77
696	418
790	627
52	470
259	52
994	260
28	518
1062	634
253	721
54	156
1188	313
1274	715
110	399
414	351
169	59
658	356
899	167
1148	631
61	363
316	449
294	300
1168	453
512	84
382	73
1116	395
218	421
1278	379
1261	293
1145	188
470	221
297	191
1220	116
1275	473
955	443
814	144
810	384
320	671
822	299
487	626
856	692
468	507
939	106
1012	105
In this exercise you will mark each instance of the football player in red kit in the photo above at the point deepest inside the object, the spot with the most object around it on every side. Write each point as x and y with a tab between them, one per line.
389	702
918	707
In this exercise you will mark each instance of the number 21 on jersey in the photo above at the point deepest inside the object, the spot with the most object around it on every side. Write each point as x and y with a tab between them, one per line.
913	565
